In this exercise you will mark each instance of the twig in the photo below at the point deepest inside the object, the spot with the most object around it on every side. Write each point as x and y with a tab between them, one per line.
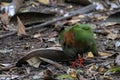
7	68
101	32
72	13
57	65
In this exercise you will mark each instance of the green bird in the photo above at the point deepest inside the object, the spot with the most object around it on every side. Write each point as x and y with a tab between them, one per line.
77	40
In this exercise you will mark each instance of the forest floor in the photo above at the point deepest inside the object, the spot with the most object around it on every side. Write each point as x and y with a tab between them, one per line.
12	48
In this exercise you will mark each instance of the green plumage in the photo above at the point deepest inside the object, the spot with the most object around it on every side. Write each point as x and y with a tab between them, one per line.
78	39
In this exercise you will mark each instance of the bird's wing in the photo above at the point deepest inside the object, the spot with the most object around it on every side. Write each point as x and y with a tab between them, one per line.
83	35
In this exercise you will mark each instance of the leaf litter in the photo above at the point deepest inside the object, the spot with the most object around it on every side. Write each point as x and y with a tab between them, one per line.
108	45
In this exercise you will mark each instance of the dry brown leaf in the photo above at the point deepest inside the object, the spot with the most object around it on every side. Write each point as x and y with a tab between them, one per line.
109	23
5	18
55	2
4	3
37	35
78	17
21	28
112	36
74	21
101	17
17	4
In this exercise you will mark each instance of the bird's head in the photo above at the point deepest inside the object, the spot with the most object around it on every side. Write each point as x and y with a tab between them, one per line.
59	27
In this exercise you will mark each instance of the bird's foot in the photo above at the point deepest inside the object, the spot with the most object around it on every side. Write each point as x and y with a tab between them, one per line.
74	63
80	61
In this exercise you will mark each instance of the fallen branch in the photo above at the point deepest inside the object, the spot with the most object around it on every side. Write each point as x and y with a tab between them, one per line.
72	13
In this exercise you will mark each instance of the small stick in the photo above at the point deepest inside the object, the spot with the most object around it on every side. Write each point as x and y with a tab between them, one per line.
7	68
57	65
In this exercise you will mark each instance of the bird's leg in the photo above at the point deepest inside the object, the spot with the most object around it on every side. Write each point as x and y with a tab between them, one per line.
79	59
74	63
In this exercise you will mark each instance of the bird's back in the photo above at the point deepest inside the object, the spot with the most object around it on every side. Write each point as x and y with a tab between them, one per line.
77	39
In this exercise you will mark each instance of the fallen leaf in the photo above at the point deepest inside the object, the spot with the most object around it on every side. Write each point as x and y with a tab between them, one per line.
17	4
72	72
112	36
108	78
104	54
109	23
4	4
78	17
101	17
5	18
36	77
21	28
90	55
65	76
37	35
34	61
69	7
74	21
52	40
44	1
92	67
102	69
